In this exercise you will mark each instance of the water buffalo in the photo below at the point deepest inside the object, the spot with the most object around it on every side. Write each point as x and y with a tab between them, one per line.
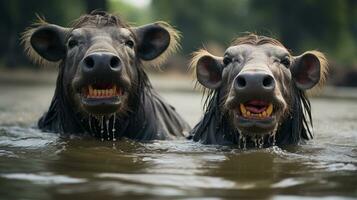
102	88
256	93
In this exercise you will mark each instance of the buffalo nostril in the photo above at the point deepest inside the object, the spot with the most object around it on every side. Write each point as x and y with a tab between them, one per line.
268	81
241	82
89	62
114	62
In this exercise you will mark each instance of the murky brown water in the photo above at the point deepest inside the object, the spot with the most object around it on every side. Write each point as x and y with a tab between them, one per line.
36	165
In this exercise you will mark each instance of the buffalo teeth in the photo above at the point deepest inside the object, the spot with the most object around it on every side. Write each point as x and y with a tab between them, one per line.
246	113
269	109
242	109
103	93
90	88
95	93
264	114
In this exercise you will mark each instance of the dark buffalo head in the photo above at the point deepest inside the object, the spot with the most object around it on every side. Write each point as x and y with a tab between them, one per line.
257	80
100	58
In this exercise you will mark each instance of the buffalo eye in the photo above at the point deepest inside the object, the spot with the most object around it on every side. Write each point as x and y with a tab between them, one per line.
286	62
129	43
72	43
227	60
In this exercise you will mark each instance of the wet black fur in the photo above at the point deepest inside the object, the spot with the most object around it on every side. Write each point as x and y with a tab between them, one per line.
149	117
215	128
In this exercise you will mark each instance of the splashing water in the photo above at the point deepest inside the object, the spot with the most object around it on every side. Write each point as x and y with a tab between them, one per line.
257	140
105	127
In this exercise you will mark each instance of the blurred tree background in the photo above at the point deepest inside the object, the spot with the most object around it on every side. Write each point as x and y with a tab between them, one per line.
327	25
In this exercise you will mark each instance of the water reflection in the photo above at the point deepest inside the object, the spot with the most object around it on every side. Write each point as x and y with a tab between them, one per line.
46	166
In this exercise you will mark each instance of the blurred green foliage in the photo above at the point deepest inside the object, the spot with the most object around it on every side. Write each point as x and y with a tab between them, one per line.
134	15
17	15
327	25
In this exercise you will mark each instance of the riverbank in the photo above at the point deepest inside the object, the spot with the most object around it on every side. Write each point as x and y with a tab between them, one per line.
162	81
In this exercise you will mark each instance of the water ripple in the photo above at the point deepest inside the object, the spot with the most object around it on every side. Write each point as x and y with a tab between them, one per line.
43	178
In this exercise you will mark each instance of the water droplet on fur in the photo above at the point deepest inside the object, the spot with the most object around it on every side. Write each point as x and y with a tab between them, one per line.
255	142
272	139
102	127
107	126
113	130
272	136
90	124
217	127
242	144
261	142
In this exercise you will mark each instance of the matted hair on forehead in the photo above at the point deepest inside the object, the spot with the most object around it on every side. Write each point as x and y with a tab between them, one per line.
98	19
254	39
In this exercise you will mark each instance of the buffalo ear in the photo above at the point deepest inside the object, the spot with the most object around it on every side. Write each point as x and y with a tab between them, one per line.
208	69
48	41
309	69
156	41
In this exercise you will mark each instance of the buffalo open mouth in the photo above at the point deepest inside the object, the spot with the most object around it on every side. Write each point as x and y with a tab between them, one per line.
255	116
256	109
102	98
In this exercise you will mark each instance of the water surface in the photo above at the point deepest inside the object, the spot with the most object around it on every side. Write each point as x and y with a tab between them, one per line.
36	165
